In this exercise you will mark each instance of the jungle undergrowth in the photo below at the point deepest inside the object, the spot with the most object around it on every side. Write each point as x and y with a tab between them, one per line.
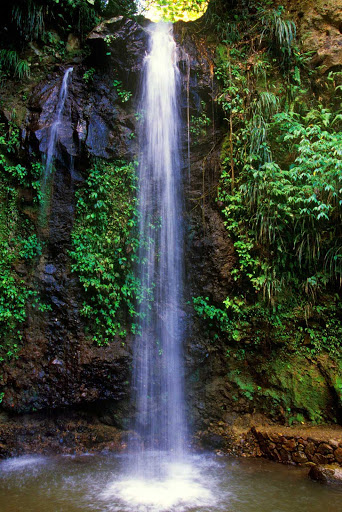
104	250
19	243
280	194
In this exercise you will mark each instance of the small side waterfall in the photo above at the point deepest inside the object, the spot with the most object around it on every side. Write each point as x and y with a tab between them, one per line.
50	155
53	136
158	374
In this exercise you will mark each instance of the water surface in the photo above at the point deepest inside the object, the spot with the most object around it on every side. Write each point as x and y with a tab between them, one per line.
202	483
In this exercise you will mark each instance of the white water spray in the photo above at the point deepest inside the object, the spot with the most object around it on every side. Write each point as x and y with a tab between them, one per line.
50	154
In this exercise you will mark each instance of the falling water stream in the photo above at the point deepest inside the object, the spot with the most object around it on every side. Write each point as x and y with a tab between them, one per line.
53	135
159	470
52	142
157	355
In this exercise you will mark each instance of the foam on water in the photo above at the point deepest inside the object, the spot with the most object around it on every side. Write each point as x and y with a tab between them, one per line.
199	484
19	463
184	486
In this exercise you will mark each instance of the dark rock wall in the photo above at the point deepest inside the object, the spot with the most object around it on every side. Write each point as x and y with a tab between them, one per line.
58	366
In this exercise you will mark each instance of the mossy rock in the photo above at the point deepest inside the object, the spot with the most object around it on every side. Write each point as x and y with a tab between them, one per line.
293	388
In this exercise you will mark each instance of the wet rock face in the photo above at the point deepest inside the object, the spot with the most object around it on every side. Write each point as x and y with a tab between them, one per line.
125	40
58	365
209	252
95	122
63	432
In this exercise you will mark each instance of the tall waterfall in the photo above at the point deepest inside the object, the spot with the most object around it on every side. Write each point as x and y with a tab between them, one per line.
158	373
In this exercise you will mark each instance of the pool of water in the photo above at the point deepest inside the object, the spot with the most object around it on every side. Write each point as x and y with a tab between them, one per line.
201	483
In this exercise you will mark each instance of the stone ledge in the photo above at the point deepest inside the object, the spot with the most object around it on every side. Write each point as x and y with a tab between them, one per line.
288	445
58	436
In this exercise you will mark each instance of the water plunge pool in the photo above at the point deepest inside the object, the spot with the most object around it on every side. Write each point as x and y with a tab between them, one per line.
202	483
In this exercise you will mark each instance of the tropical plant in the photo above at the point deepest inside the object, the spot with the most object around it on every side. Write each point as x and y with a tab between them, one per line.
104	249
11	64
282	32
18	243
29	18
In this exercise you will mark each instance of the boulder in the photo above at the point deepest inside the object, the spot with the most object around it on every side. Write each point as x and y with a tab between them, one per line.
331	474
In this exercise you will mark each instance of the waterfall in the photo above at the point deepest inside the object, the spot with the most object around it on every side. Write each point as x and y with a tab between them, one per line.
159	474
50	154
53	135
158	372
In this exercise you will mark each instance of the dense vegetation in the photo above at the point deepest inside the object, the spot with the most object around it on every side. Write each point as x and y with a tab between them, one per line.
281	198
105	249
48	23
18	242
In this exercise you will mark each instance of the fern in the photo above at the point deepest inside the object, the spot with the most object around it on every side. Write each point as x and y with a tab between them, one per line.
11	63
29	19
262	110
282	32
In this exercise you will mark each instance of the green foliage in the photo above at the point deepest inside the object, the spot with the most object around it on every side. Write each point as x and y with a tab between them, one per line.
18	243
14	173
263	25
12	65
79	15
281	198
124	95
105	249
274	363
88	76
119	8
235	85
172	10
282	32
199	124
239	321
281	191
286	226
50	22
54	45
31	20
29	17
293	212
14	293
